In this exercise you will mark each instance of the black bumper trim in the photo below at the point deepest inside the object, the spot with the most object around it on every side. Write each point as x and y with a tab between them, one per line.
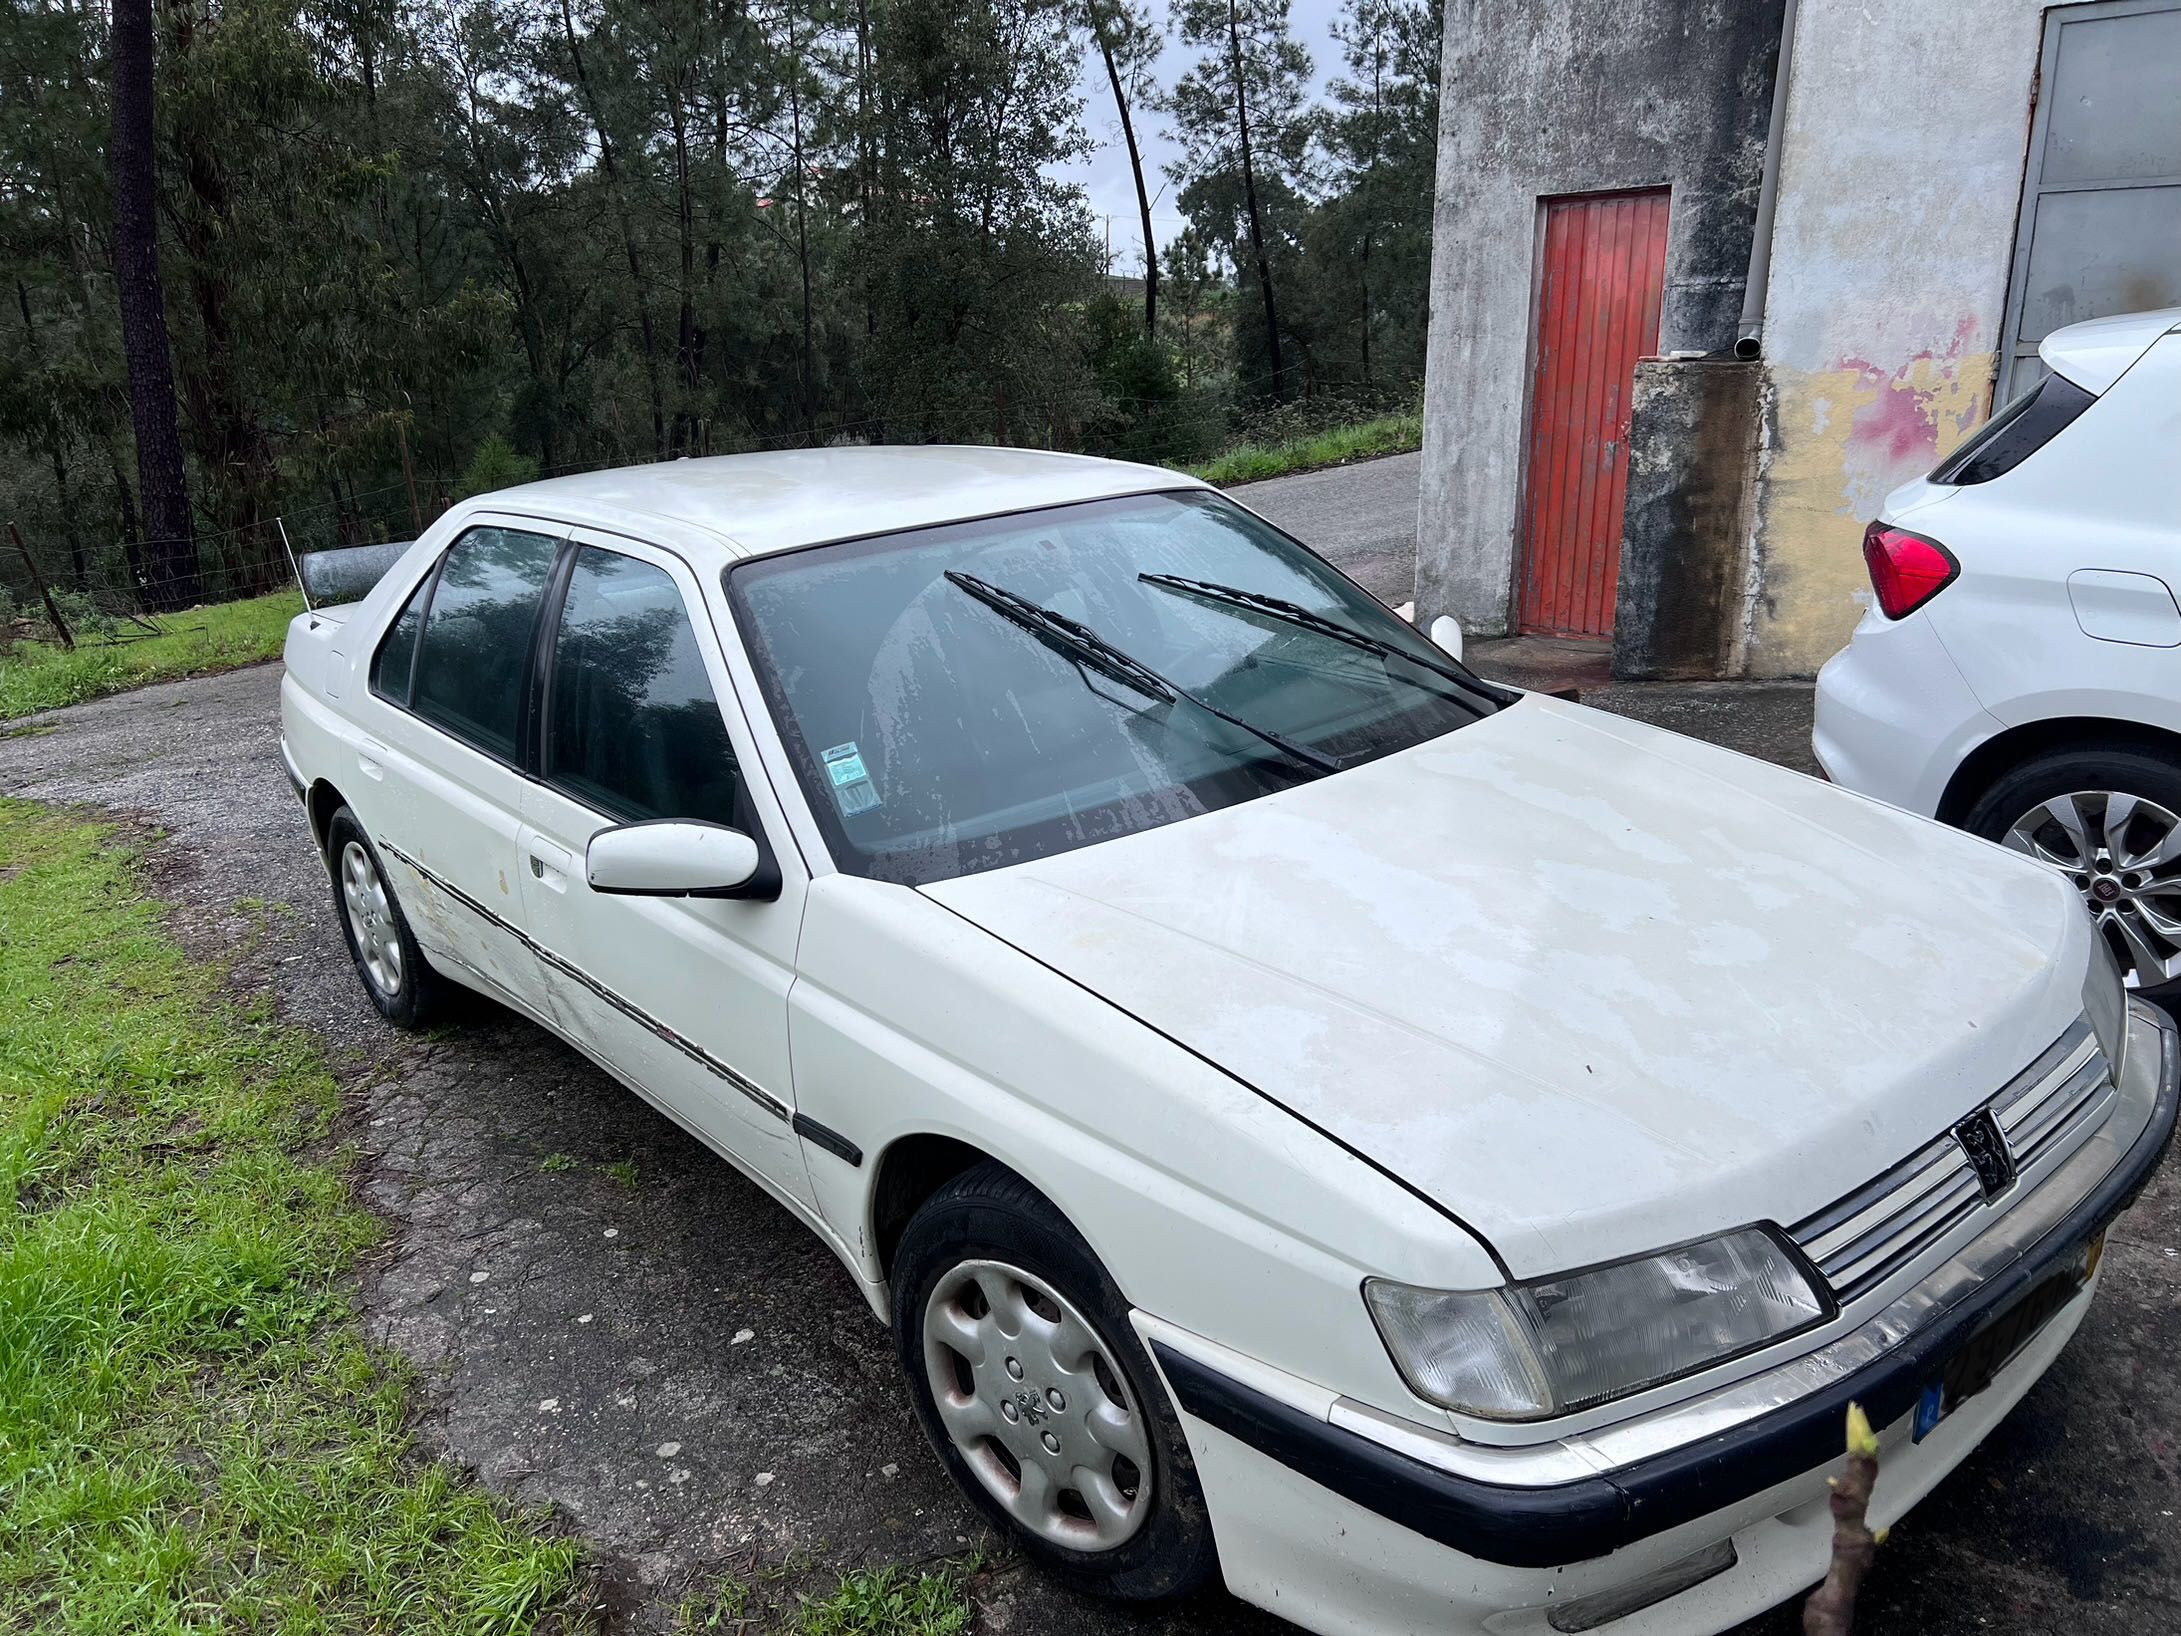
1549	1527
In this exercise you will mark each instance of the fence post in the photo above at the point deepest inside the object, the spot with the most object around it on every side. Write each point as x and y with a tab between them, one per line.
52	612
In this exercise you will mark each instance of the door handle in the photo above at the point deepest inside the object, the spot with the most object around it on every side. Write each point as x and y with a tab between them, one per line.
368	752
549	864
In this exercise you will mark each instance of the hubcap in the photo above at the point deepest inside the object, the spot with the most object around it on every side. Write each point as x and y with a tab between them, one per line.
1029	1396
2124	855
371	919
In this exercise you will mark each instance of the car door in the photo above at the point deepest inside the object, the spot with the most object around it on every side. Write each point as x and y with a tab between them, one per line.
684	997
439	778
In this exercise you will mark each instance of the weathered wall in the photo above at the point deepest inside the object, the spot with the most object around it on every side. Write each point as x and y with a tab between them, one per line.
1580	96
1907	127
1691	474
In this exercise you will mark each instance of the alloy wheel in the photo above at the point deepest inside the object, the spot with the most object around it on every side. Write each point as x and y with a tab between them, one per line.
1036	1407
2124	855
371	919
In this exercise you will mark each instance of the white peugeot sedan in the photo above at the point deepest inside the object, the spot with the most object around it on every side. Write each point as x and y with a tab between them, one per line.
1438	1157
2019	671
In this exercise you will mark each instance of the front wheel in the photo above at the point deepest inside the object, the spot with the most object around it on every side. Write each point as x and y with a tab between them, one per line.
2108	818
1038	1397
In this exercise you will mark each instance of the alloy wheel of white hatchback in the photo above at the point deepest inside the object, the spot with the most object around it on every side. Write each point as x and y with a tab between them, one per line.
2123	853
1027	1394
371	920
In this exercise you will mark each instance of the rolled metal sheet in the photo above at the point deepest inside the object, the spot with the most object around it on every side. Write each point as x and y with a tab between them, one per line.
347	574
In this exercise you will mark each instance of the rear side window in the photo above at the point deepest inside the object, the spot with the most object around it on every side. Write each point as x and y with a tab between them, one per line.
2016	432
477	634
396	659
632	725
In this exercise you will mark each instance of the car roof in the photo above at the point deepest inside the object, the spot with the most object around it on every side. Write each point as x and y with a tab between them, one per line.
775	501
2098	352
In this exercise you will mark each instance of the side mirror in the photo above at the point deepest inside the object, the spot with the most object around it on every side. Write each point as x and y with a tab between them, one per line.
672	859
1446	635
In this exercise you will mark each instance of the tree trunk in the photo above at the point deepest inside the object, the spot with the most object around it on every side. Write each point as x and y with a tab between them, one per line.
170	551
628	236
1136	170
865	156
802	231
685	333
1249	194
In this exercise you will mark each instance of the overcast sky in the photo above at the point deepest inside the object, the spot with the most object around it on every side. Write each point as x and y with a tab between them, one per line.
1104	175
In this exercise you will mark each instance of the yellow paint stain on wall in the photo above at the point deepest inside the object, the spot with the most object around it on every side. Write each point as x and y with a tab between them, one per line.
1841	440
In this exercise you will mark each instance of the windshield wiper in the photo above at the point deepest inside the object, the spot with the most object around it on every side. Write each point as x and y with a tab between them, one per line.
1083	646
1309	619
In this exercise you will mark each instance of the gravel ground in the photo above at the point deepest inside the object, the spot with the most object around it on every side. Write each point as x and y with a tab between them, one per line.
681	1370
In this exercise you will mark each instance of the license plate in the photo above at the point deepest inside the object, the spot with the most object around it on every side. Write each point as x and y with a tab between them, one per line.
1996	1345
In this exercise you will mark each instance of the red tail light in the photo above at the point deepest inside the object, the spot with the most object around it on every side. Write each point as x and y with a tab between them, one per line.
1907	570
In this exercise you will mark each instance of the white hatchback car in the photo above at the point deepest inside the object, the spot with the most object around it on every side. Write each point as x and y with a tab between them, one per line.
1437	1156
2019	670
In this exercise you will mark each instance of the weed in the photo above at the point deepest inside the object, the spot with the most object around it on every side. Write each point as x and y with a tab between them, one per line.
43	676
890	1602
193	1434
1390	434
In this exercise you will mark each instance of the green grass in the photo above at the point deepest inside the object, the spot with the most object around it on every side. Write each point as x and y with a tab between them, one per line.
868	1602
44	675
193	1435
1390	434
889	1602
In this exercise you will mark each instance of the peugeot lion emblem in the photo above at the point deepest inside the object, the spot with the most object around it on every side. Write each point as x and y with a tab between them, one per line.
1986	1148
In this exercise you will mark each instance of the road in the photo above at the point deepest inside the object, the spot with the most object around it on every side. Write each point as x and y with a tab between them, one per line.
1363	516
684	1372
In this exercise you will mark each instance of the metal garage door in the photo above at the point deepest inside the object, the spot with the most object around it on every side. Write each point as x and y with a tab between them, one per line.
2101	210
1599	286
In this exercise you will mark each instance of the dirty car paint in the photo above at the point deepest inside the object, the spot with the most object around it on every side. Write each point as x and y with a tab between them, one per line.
1590	985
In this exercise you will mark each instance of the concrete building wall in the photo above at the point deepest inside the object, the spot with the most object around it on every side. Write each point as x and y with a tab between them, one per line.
1580	96
1900	177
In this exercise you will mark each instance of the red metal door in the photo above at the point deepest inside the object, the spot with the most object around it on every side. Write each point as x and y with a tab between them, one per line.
1598	299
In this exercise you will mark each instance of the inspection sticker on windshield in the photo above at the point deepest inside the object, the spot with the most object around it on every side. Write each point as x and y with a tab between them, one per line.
852	786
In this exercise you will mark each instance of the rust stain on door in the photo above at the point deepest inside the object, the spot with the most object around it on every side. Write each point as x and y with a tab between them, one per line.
1600	284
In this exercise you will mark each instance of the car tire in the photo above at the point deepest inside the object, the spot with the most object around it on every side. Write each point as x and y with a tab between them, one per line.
1015	1340
2035	807
392	969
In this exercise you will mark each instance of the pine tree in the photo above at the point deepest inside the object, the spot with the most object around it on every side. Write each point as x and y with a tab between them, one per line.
170	550
1240	116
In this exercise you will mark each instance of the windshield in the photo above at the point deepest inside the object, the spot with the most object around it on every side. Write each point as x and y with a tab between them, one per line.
969	696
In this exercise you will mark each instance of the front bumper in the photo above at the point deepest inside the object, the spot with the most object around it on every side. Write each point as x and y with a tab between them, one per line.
1744	1453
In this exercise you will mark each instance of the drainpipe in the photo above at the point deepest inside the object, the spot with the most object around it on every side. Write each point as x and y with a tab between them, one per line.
1748	337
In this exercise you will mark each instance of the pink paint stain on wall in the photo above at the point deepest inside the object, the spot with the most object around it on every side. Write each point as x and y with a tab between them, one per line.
1899	422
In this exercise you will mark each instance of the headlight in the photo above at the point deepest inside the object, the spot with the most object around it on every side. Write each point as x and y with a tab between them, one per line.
2105	998
1531	1351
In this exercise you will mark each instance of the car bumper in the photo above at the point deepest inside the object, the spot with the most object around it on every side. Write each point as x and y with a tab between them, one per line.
1895	717
1342	1519
288	766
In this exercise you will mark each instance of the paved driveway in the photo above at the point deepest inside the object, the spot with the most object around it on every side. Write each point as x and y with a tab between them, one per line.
1362	516
670	1360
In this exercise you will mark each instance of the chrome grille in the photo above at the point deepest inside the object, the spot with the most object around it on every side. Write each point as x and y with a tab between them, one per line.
1858	1241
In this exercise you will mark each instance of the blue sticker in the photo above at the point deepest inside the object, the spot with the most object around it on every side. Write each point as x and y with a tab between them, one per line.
1930	1410
853	790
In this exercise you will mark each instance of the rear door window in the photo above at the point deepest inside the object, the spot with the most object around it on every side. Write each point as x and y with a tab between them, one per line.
2016	432
477	636
394	663
632	726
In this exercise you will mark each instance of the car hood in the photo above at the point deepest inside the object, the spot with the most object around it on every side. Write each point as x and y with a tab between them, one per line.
1592	987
